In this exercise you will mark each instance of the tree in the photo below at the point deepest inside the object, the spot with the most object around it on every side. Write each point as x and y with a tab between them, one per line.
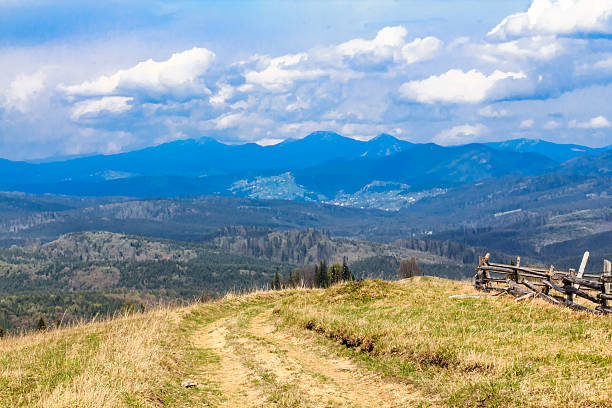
294	279
322	275
347	275
335	273
41	325
276	283
408	268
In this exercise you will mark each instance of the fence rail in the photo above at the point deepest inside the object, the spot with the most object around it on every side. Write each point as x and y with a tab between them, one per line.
558	287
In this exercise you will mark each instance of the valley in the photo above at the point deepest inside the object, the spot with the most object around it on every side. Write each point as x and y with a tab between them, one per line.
114	242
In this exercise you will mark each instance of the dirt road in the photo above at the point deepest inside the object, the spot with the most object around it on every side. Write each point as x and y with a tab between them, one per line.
259	365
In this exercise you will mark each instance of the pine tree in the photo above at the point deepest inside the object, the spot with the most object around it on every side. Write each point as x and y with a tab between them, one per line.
41	325
322	275
276	283
335	273
347	275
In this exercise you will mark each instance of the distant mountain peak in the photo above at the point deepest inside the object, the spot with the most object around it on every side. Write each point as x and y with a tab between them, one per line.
323	135
207	140
385	138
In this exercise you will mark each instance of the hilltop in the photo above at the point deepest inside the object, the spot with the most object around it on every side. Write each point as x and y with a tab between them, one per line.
362	344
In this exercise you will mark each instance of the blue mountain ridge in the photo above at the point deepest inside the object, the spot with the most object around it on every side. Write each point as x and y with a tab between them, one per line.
324	163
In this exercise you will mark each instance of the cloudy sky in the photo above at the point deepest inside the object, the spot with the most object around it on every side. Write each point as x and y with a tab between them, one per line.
104	77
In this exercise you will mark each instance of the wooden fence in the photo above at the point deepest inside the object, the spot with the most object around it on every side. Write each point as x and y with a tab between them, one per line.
558	287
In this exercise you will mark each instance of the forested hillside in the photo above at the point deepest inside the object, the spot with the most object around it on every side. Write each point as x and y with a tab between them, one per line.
303	247
83	274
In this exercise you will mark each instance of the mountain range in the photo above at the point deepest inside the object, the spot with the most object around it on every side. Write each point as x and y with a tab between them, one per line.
323	166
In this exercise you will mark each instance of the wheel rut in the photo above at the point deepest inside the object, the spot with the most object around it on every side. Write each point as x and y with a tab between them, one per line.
262	366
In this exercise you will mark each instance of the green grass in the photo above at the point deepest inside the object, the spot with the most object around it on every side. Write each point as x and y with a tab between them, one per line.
488	352
464	352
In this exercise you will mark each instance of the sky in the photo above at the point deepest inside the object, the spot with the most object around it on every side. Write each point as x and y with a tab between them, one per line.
79	78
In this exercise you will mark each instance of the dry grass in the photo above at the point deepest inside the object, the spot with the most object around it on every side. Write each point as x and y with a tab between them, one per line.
129	361
465	352
486	351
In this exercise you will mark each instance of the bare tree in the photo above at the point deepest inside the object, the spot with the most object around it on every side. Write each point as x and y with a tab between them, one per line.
408	268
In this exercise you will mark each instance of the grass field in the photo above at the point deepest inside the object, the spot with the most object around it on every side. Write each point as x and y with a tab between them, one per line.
360	344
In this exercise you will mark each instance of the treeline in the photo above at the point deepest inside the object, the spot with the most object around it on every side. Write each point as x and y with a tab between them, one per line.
298	247
456	251
317	276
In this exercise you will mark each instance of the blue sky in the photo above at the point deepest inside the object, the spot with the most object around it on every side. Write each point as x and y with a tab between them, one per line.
104	77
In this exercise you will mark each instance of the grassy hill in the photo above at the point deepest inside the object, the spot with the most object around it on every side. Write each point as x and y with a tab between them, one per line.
360	344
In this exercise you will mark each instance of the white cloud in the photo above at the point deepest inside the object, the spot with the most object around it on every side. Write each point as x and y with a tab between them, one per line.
456	86
23	88
181	69
268	141
225	92
527	123
111	104
281	73
551	125
604	64
557	17
489	112
460	134
227	121
598	122
537	48
420	49
390	45
386	40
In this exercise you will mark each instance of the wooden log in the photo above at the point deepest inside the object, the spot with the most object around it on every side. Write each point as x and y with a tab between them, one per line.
514	273
604	296
513	268
584	282
607	285
516	289
576	306
518	299
555	287
549	298
531	285
572	290
490	289
606	310
496	280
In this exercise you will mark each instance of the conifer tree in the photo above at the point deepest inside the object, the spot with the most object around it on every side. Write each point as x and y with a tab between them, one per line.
41	325
335	273
347	275
322	275
276	283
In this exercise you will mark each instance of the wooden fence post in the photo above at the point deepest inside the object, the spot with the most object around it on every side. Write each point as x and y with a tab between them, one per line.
607	283
571	296
585	258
